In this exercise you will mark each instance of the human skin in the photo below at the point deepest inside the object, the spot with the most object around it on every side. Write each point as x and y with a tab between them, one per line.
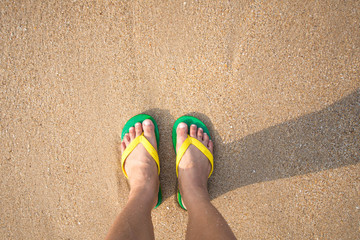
134	221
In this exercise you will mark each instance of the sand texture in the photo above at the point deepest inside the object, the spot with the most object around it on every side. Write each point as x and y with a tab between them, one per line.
277	82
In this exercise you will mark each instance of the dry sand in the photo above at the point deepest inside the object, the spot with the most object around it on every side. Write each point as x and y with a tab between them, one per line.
276	81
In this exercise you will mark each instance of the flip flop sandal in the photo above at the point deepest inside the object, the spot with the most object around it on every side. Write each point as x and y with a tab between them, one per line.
189	120
141	139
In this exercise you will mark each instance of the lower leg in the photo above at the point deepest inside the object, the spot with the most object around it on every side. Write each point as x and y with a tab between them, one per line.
134	221
205	221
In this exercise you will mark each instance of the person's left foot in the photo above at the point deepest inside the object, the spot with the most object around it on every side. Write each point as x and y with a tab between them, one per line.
194	167
139	165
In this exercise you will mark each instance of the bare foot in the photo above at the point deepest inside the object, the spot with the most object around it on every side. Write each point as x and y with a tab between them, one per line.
194	167
139	165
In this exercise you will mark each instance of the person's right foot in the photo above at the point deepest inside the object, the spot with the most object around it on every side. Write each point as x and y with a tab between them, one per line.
140	166
194	166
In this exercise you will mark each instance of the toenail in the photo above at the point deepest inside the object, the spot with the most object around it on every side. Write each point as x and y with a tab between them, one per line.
138	124
182	125
147	122
200	129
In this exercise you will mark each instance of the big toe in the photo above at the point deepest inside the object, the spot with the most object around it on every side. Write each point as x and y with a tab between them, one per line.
149	132
182	132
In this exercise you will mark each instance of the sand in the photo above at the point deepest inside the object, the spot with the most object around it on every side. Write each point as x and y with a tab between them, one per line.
277	82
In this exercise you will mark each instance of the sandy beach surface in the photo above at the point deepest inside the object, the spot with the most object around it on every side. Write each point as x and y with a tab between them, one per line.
277	82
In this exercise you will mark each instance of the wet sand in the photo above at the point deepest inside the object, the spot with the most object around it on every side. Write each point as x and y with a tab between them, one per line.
277	83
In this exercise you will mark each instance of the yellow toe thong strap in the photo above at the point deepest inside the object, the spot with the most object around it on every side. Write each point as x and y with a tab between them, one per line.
150	148
190	140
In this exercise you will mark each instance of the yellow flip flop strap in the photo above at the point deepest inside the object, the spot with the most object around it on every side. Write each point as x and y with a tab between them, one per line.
190	140
140	139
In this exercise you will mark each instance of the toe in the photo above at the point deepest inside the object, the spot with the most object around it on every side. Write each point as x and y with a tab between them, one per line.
193	129
126	139
206	139
211	146
149	132
200	134
132	133
181	132
122	146
138	129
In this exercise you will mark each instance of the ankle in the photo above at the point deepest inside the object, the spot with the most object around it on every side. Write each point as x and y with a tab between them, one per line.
193	193
144	188
143	195
195	198
143	177
191	181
